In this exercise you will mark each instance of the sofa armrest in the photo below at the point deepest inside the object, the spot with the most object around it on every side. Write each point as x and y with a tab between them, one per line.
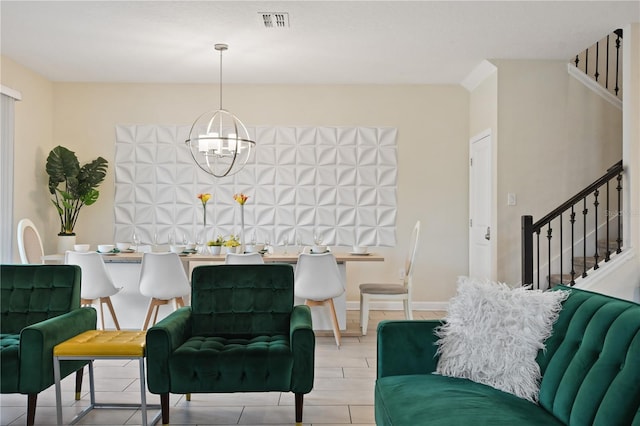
38	340
161	341
303	341
407	347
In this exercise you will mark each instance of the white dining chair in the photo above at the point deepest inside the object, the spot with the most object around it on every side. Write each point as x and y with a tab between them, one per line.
97	286
391	291
29	243
243	258
318	282
164	280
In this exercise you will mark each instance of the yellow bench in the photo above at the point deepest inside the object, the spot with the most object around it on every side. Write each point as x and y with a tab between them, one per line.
100	344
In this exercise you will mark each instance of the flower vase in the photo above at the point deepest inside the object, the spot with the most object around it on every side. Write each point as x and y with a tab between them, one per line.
66	242
242	246
215	250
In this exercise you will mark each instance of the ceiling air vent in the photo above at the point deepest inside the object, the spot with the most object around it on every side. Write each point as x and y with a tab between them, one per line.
275	19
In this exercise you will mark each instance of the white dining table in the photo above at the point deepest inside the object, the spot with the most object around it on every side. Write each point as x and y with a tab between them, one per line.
131	306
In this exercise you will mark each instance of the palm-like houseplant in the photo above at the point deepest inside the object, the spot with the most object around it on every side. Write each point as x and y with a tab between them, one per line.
73	186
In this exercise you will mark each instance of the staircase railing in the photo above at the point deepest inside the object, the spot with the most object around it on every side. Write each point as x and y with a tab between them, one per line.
603	62
580	244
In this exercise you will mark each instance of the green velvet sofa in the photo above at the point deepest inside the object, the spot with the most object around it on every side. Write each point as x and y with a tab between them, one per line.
590	369
40	307
242	333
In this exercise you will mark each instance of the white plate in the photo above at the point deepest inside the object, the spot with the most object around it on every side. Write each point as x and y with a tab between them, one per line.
360	254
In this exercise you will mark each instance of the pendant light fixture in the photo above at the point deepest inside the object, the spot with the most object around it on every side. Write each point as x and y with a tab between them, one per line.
219	142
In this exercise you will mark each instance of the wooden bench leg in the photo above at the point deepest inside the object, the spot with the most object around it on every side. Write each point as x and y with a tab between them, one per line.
164	403
32	399
299	403
79	375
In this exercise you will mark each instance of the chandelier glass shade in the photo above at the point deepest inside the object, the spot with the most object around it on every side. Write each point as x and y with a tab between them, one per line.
219	142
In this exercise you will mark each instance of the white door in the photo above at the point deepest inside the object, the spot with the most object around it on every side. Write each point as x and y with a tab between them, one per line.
481	236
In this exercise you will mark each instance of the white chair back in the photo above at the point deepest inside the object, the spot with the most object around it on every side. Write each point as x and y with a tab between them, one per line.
317	277
243	259
162	276
96	280
29	243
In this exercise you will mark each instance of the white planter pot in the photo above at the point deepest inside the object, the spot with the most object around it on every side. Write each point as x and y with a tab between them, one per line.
215	250
65	243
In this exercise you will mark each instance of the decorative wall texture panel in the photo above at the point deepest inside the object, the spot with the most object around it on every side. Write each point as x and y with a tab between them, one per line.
337	181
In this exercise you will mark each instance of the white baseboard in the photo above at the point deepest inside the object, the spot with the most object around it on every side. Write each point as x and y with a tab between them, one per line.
397	306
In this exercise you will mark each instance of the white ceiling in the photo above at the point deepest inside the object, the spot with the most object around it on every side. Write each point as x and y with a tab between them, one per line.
327	42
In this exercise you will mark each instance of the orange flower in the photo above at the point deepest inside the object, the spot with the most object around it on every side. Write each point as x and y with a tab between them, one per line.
204	197
240	198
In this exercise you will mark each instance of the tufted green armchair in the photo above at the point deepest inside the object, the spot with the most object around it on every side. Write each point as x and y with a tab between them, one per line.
241	333
40	307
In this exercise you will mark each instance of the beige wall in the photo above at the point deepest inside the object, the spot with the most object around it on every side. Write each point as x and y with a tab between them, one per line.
556	137
432	123
33	135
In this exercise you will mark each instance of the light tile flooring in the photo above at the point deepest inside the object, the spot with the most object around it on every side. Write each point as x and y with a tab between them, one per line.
342	392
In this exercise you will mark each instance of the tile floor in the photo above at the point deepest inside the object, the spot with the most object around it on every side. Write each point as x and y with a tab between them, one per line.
342	393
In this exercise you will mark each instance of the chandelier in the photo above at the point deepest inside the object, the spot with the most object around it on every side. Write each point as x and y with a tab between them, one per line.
219	142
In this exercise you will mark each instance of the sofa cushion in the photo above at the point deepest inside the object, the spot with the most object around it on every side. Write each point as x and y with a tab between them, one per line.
492	334
436	400
235	365
9	362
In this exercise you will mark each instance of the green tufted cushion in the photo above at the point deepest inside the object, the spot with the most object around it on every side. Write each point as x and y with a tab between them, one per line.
233	365
34	293
591	368
241	300
434	400
9	362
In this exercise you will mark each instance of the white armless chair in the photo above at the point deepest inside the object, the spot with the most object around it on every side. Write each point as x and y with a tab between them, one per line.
29	243
164	280
243	258
318	281
391	291
96	287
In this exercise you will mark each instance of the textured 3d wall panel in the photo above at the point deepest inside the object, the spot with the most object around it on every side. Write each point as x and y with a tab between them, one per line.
337	181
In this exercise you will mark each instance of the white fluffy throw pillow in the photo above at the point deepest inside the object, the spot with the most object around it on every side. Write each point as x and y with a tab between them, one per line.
492	335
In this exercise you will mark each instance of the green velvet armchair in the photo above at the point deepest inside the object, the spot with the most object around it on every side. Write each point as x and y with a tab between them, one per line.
241	333
40	307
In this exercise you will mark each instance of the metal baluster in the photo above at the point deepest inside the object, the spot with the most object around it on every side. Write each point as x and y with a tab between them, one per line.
619	188
586	61
596	203
549	231
606	81
607	253
577	61
561	264
538	257
572	219
584	238
618	33
597	74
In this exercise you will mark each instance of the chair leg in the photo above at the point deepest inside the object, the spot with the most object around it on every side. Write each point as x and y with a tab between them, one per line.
364	312
334	321
32	399
107	301
408	313
299	404
149	312
164	404
79	375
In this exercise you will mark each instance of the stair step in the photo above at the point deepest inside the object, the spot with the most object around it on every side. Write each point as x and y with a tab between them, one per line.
564	279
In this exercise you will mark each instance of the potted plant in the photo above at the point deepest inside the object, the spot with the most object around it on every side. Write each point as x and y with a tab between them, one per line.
216	245
72	186
232	243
